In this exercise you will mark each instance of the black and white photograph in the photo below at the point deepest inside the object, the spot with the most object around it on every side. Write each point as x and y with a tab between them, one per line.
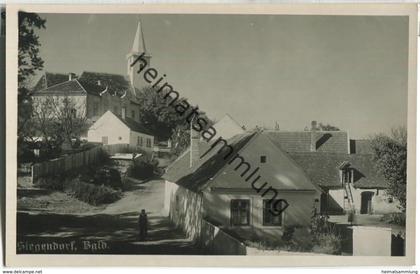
230	134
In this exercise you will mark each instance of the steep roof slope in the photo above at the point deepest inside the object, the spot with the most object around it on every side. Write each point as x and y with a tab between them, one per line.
196	177
323	169
280	172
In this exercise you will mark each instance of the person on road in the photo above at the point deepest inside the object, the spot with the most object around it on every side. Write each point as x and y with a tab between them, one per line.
143	225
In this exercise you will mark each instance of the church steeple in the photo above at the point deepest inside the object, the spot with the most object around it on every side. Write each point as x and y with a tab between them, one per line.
138	48
139	45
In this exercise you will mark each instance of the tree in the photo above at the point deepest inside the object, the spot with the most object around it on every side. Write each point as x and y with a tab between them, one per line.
390	154
163	121
29	62
59	120
180	139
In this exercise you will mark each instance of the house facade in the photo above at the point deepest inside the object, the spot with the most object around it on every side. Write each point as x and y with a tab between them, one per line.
94	93
215	189
113	129
322	172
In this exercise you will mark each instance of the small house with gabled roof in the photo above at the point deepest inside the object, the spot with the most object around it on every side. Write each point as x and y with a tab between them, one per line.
114	129
242	193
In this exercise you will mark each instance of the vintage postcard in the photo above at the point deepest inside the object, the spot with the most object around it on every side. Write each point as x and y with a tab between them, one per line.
211	135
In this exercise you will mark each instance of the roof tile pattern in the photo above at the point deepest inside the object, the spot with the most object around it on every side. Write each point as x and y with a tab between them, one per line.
323	169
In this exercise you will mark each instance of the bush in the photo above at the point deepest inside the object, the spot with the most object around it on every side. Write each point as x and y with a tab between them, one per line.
302	239
143	169
107	176
92	194
328	244
52	182
397	218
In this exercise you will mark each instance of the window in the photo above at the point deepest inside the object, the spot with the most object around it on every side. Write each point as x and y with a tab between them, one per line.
133	114
270	219
149	142
239	212
138	140
115	109
263	159
347	175
73	113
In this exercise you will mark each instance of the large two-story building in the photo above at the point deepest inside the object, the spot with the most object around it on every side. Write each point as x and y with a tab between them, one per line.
94	93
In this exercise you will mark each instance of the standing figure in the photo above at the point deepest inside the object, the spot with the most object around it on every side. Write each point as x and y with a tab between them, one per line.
143	225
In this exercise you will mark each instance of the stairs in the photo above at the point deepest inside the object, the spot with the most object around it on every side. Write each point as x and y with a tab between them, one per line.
348	198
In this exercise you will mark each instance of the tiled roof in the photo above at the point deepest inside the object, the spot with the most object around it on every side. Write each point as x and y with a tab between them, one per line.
117	84
291	141
282	173
49	79
133	125
72	87
300	141
323	169
360	147
196	177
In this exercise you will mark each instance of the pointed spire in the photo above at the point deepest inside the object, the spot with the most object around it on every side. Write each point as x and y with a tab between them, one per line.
139	45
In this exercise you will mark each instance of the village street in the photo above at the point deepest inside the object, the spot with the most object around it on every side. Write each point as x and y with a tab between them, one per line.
112	229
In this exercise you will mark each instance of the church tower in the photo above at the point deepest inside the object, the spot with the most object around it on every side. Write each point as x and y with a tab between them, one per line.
138	48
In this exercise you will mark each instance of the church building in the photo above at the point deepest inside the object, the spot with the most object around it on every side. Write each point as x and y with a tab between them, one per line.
94	93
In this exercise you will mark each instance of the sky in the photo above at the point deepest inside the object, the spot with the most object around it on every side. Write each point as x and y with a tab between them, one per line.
348	71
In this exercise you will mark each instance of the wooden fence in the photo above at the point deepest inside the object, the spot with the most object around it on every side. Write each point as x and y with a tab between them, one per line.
79	159
66	163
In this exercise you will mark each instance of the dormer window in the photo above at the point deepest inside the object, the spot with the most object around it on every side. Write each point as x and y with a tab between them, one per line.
347	175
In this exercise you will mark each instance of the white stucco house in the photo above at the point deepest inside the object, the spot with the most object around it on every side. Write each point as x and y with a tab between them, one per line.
113	129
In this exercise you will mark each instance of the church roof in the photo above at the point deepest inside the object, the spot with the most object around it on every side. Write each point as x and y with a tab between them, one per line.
116	83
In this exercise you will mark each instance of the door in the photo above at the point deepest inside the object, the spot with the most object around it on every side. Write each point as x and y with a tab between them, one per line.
366	206
105	140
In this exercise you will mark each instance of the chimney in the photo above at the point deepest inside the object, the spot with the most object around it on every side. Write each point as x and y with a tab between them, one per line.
194	145
98	82
123	112
71	76
313	125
